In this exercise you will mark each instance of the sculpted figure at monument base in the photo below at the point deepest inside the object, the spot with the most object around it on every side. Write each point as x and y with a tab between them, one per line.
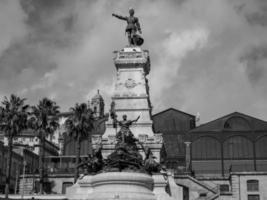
126	155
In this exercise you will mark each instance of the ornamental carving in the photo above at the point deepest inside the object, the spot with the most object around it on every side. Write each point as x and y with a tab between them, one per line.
130	83
158	138
142	138
111	139
96	139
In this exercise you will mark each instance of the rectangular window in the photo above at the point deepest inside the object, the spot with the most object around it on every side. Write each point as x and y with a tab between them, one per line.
253	197
252	185
224	188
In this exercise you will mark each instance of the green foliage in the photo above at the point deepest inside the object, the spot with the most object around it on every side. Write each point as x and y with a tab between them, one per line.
79	125
81	122
44	118
13	120
13	115
43	121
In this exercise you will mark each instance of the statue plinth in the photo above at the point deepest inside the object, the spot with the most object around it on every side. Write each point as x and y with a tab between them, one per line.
131	58
123	185
114	185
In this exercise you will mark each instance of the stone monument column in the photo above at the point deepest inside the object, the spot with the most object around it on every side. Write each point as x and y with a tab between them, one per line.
131	97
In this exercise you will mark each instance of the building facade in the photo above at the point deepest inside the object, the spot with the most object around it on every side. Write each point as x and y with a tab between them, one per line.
174	126
235	142
222	159
28	139
20	156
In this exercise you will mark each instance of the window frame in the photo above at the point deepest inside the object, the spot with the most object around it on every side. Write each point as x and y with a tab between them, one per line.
253	185
253	196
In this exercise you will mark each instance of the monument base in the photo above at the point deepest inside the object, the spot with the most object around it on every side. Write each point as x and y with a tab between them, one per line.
119	185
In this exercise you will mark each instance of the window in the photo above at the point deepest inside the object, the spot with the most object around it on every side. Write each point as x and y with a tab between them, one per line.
253	197
238	147
202	194
237	124
261	147
253	185
224	188
201	149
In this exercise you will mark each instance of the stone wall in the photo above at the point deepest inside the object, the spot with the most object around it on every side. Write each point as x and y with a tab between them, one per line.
239	184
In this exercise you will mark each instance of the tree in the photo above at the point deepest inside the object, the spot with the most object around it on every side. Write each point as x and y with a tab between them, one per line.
13	120
44	122
79	125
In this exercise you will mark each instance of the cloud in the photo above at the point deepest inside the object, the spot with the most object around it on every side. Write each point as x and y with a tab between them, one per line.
256	63
206	56
254	12
174	48
11	21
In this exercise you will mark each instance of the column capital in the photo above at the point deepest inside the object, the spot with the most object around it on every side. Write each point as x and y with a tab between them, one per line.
187	143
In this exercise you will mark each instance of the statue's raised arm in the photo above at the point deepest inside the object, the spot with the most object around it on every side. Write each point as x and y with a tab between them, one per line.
132	27
119	16
136	119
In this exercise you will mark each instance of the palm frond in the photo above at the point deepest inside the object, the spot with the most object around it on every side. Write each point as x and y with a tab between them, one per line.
80	123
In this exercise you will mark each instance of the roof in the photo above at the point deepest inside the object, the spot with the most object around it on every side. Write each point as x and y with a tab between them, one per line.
218	124
173	109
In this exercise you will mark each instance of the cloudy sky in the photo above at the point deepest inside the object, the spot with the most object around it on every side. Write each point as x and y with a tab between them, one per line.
206	56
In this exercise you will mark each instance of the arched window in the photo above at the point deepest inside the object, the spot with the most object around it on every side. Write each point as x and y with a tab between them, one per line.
261	145
237	124
206	148
237	147
252	185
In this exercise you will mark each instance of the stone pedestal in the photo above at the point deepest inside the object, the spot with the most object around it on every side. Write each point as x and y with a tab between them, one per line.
160	183
80	190
122	185
113	185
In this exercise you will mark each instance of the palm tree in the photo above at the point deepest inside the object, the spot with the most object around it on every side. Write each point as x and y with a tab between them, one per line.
44	122
79	125
13	120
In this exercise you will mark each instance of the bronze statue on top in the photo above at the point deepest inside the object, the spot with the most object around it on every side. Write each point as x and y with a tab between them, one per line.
132	27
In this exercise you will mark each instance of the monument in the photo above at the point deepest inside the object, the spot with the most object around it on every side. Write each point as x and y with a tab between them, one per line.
130	150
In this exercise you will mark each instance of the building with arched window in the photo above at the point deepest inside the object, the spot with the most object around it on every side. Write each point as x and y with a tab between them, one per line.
235	142
224	158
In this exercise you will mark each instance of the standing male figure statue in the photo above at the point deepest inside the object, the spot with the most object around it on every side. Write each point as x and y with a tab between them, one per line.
125	135
132	27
